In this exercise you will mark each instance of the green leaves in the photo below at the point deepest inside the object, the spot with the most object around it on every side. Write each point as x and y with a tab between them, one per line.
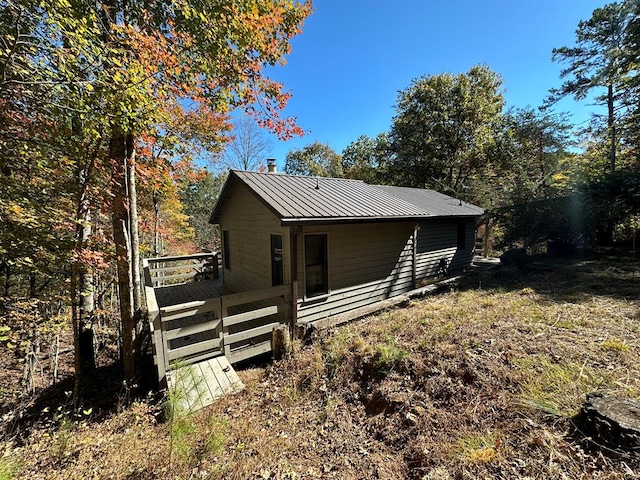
603	59
444	128
316	160
4	333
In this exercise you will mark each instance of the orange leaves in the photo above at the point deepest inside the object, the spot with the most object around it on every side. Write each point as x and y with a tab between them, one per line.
90	257
205	59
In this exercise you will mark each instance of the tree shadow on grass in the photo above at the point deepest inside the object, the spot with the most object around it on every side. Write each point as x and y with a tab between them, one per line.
102	395
571	280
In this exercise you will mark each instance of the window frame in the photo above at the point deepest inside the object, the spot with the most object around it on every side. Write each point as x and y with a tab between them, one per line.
327	289
271	256
225	249
461	235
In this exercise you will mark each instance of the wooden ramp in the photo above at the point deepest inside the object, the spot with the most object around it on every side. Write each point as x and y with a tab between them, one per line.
192	387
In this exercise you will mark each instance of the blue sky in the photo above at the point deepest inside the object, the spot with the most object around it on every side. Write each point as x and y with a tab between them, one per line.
355	55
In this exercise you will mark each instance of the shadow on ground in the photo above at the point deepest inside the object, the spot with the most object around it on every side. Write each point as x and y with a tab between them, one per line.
102	395
571	280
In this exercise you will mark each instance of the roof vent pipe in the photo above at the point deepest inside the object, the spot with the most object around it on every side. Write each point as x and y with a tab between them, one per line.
317	183
271	165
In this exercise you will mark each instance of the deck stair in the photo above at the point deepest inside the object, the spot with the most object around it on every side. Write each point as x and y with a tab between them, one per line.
195	386
199	329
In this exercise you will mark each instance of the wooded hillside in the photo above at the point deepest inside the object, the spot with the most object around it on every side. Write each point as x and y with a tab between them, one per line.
118	122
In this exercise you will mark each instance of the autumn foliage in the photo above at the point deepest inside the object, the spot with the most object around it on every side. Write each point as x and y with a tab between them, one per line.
94	95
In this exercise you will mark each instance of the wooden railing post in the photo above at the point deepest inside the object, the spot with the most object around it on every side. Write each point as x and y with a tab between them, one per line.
216	267
225	328
294	232
155	327
146	273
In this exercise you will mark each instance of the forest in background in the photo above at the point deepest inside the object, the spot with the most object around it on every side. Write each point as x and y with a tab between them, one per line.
109	112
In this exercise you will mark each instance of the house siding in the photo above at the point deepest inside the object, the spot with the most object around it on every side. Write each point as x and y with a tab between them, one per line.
250	224
367	263
437	240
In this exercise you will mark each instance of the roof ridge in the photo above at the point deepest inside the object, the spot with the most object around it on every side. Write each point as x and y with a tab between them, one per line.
290	175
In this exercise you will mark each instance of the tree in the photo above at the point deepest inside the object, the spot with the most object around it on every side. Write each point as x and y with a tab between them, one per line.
630	127
539	143
364	159
443	129
111	72
199	196
317	159
248	146
599	60
610	202
530	185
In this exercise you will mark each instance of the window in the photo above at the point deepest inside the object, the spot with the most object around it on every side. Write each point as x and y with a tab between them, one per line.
462	234
277	267
225	249
316	278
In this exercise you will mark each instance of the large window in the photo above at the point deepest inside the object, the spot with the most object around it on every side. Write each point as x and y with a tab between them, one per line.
277	266
225	249
316	275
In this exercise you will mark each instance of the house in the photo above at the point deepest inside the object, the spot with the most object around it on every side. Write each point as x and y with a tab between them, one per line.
342	245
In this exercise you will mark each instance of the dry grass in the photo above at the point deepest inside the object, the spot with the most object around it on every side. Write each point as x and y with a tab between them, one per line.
479	382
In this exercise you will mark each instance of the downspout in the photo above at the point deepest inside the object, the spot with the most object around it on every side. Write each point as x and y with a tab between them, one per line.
294	232
414	255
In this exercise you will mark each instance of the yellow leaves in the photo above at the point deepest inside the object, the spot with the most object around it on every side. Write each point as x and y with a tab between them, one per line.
16	213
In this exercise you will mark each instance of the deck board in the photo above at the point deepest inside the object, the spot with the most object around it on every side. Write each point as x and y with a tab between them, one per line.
196	386
189	292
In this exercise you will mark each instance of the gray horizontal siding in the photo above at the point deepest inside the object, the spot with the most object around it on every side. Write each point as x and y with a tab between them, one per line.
367	264
347	299
437	240
250	226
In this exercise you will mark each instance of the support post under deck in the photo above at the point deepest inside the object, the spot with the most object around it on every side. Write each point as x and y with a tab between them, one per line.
294	232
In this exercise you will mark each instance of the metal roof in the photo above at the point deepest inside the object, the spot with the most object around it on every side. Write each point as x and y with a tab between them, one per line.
437	203
299	200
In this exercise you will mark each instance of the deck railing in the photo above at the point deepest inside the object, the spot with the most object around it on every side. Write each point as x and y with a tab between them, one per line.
239	326
164	271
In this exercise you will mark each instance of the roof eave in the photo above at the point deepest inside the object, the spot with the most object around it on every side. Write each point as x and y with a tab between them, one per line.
302	221
232	178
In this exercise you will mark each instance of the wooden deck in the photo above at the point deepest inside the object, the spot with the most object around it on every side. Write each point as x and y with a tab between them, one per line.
198	328
192	292
192	387
189	292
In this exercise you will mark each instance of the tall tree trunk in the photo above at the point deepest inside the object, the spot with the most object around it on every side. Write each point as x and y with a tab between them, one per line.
612	129
120	149
156	221
7	279
133	228
82	300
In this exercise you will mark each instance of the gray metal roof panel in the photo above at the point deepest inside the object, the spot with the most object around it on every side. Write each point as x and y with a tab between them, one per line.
438	204
307	199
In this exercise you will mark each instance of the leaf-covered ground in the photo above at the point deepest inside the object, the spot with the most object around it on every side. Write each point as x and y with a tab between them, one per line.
481	381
